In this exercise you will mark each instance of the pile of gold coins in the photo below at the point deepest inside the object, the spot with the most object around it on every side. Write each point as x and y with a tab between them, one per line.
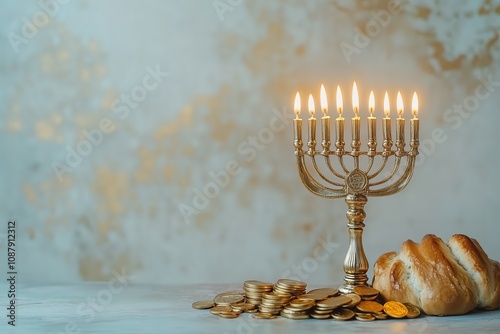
289	299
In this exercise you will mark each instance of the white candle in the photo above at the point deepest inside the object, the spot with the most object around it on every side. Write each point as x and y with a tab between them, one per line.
400	121
325	120
414	122
372	121
355	121
297	122
312	123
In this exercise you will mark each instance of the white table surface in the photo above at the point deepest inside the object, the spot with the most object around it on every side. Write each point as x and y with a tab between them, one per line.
167	309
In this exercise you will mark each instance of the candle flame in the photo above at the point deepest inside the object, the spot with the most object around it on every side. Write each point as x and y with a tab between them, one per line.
400	104
414	105
355	99
296	106
324	103
311	105
387	106
371	103
340	104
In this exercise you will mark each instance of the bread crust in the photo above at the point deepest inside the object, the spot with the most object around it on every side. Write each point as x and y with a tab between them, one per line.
439	278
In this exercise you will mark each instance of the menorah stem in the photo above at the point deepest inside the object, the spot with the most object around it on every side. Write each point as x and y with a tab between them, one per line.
356	263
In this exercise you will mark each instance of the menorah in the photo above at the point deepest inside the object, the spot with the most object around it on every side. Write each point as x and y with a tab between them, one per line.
356	183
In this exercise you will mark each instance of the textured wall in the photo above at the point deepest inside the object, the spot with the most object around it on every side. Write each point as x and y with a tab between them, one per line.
233	69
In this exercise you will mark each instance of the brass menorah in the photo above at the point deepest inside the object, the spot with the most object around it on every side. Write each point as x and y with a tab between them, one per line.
355	183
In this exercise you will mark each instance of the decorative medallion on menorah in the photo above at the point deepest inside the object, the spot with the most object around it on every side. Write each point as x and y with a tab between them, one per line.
369	172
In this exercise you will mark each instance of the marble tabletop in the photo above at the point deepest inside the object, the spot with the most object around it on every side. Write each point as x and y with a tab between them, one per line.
132	308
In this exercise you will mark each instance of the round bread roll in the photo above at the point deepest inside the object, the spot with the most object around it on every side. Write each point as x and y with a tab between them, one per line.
439	278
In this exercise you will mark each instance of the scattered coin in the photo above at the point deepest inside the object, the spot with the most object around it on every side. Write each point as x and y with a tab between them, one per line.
395	309
261	315
334	302
413	311
314	295
303	303
203	304
365	291
330	292
355	300
221	309
228	298
369	306
380	316
368	317
343	314
258	285
320	316
228	315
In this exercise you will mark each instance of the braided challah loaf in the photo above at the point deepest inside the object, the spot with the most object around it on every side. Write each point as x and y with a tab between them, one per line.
441	279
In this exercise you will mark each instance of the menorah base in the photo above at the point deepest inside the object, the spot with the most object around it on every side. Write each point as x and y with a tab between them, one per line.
358	280
355	263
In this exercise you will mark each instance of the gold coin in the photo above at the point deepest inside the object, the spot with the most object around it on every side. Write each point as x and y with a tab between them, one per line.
291	283
320	311
254	301
365	318
302	302
369	297
320	316
364	290
228	298
228	315
295	317
257	285
413	311
261	315
343	314
203	304
395	309
370	306
330	292
292	312
243	306
355	300
334	302
220	309
314	295
380	316
276	296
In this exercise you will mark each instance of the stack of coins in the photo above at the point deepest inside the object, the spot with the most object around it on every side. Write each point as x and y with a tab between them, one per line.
298	308
254	290
288	299
273	303
289	286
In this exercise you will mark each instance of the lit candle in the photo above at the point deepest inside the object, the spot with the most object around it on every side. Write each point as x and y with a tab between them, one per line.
339	121
355	121
400	122
325	120
386	121
414	122
297	122
312	124
372	121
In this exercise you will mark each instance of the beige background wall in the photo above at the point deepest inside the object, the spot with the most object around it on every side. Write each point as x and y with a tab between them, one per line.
233	69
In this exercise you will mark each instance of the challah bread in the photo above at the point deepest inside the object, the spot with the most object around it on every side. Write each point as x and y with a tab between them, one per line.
439	278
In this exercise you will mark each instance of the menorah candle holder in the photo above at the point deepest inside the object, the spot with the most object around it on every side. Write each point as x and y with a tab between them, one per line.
356	183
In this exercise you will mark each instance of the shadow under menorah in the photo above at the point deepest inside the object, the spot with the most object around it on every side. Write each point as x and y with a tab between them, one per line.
358	179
